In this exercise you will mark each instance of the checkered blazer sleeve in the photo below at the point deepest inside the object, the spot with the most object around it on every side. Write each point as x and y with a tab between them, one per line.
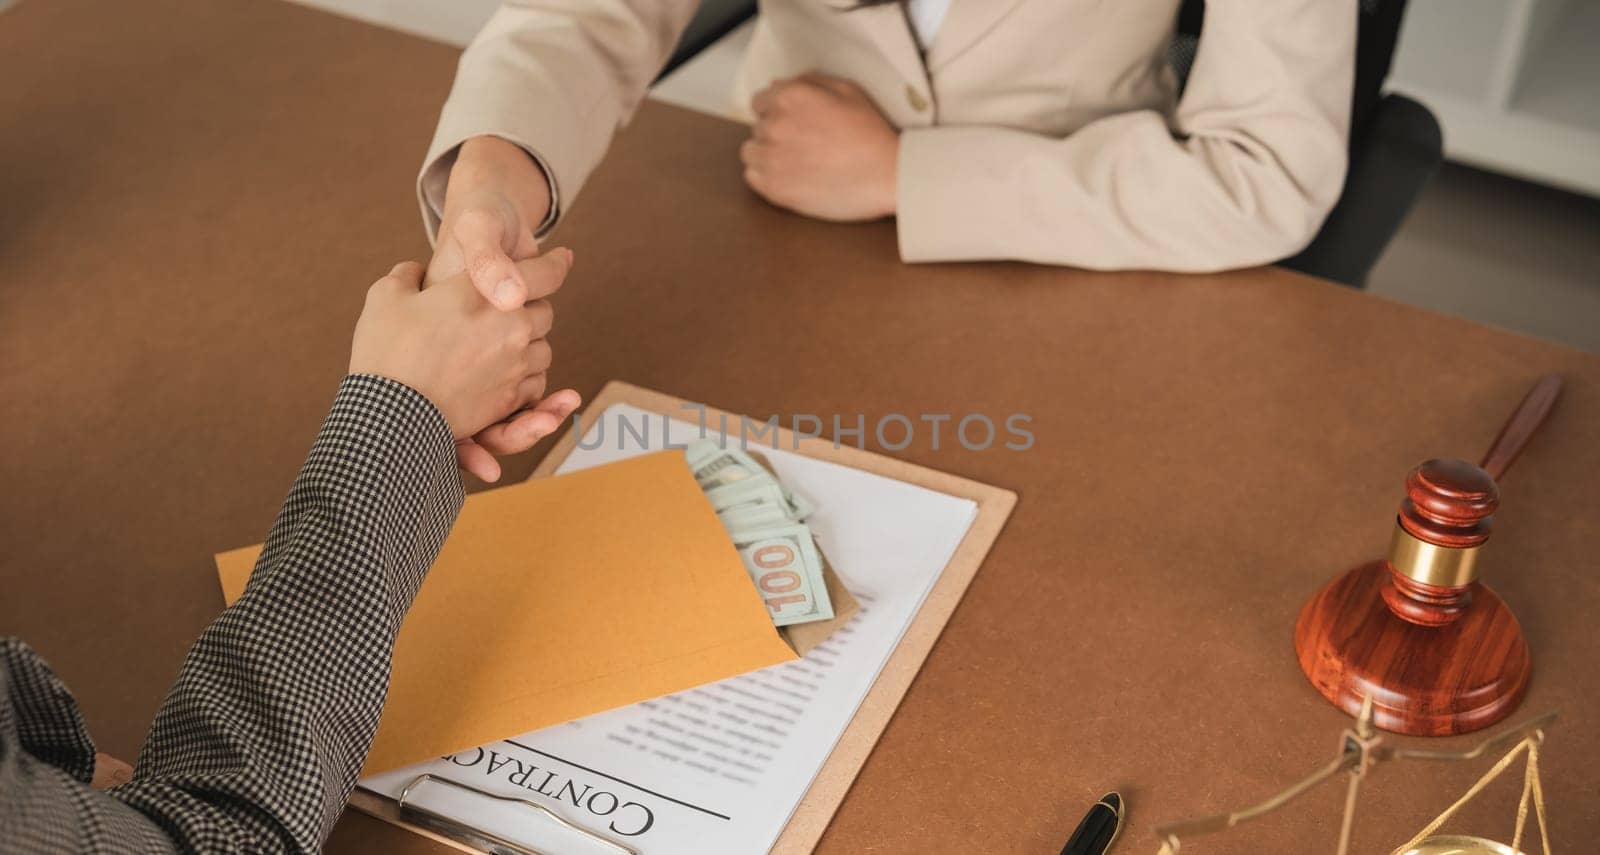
260	740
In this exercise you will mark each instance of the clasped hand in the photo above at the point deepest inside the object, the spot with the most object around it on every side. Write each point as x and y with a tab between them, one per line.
482	366
495	198
473	340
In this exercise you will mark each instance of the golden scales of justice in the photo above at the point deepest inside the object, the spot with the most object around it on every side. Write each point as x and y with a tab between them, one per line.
1415	644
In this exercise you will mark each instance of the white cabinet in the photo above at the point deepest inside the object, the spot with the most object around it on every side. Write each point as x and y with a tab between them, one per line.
1515	83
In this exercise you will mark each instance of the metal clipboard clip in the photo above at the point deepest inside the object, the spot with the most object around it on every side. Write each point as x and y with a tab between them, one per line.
485	841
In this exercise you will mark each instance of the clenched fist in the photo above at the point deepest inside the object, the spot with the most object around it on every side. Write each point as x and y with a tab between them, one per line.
820	147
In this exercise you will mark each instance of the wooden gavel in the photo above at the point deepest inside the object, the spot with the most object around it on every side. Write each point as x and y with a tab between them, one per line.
1436	651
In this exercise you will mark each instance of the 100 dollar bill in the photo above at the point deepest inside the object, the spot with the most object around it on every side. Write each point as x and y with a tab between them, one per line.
784	563
727	475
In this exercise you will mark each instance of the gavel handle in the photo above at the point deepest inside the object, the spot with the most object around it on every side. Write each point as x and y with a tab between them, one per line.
1520	427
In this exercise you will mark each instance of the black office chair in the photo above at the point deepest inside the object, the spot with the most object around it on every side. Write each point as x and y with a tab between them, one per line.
713	20
1395	149
1395	144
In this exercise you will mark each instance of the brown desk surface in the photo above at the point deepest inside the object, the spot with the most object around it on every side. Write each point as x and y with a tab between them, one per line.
197	194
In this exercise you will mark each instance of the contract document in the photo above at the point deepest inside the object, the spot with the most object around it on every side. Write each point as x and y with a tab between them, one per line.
719	768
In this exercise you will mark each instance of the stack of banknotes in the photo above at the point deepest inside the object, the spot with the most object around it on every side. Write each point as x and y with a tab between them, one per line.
767	524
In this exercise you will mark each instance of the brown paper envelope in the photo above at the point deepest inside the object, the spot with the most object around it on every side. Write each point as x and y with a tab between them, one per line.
804	637
559	598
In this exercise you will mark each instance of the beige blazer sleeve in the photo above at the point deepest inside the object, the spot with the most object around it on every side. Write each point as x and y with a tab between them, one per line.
1253	165
556	77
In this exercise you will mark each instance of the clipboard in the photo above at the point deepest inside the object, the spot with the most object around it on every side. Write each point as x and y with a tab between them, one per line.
838	771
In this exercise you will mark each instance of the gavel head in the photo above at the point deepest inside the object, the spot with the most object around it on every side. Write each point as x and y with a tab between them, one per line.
1434	651
1433	555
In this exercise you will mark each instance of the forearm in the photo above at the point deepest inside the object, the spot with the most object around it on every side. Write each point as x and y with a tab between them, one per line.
556	78
1120	194
262	737
1242	173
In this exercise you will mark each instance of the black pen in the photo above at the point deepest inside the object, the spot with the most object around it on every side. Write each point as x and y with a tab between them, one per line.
1098	829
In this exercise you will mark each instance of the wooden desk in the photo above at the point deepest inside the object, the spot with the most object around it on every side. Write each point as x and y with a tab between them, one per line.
197	194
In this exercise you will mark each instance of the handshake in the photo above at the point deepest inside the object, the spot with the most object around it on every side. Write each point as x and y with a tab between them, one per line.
469	332
482	363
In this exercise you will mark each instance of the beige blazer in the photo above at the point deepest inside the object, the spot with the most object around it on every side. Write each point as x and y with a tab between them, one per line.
1035	130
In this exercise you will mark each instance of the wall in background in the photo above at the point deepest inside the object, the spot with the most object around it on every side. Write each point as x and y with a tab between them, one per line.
452	21
1515	83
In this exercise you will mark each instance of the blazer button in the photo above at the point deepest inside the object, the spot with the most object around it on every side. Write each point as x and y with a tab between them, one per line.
915	99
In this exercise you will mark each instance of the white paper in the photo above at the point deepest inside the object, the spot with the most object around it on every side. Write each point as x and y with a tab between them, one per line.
720	768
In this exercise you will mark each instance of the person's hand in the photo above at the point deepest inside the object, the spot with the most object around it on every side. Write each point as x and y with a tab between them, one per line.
481	366
497	195
822	148
109	772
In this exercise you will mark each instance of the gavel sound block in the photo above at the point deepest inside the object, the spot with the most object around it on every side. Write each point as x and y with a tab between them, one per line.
1436	650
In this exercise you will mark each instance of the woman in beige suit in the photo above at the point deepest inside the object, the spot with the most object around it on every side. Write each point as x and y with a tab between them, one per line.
1038	130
